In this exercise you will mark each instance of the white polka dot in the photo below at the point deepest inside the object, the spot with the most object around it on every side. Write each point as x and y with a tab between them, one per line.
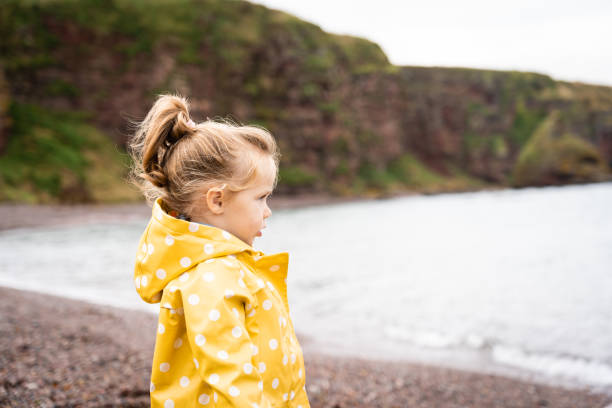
251	313
285	359
300	373
200	340
254	405
164	367
137	282
184	381
248	306
193	226
150	249
144	281
260	385
232	257
152	387
144	248
235	312
193	299
204	399
161	274
228	263
234	391
215	396
169	403
262	367
299	406
208	276
223	355
236	332
229	293
213	379
267	304
260	283
292	358
167	305
178	343
173	288
241	273
161	329
285	397
271	286
292	395
209	249
274	268
184	277
226	235
275	383
214	315
273	344
169	240
195	362
241	283
185	262
248	368
254	349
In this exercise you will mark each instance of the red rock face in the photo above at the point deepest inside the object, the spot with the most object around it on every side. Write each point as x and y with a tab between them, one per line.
331	112
4	114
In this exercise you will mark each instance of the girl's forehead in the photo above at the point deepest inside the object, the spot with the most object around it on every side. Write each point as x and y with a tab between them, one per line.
265	173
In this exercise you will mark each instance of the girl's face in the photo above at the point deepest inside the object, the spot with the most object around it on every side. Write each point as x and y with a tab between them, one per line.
245	212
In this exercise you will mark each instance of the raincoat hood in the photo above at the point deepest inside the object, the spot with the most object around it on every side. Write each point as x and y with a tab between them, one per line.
170	246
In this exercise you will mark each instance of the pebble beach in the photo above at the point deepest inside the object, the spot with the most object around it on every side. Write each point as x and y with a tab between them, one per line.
58	352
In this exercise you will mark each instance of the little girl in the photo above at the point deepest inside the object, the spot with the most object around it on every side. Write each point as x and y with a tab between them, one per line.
225	338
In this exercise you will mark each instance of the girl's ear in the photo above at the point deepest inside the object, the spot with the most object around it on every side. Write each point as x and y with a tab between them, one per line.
215	200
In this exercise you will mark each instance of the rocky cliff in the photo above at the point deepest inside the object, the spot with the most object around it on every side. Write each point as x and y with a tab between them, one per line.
347	121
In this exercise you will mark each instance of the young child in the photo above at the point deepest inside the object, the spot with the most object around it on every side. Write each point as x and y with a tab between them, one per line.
225	338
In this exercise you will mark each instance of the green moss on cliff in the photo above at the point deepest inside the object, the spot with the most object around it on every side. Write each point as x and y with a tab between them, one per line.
554	156
57	156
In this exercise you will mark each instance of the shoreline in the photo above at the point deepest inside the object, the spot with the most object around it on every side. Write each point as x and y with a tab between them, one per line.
62	352
14	215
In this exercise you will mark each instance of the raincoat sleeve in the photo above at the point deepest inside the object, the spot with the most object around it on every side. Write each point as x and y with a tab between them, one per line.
214	305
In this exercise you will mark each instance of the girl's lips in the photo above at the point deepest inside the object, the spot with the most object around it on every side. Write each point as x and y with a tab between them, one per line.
259	233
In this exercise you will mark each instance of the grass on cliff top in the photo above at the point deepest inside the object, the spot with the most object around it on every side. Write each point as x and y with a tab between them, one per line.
57	157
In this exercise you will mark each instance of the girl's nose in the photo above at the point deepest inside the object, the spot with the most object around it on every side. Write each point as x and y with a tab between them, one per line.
267	212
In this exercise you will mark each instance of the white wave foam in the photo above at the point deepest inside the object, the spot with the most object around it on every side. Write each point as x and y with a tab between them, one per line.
587	371
433	339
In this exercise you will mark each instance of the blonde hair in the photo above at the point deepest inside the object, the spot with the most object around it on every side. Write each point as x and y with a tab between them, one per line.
176	159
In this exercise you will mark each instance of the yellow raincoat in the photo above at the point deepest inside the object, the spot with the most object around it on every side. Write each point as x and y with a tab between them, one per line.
225	338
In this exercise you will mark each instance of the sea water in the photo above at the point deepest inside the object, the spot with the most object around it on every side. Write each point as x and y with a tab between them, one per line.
510	281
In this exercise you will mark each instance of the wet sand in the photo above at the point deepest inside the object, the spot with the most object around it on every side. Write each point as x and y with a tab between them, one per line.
57	352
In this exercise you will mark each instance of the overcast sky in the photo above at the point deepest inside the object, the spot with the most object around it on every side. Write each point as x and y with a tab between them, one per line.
568	40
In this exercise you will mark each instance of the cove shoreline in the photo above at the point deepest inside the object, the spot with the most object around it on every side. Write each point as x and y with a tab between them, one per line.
13	215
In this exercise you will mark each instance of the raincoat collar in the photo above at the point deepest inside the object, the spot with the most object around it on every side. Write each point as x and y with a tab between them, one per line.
170	246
